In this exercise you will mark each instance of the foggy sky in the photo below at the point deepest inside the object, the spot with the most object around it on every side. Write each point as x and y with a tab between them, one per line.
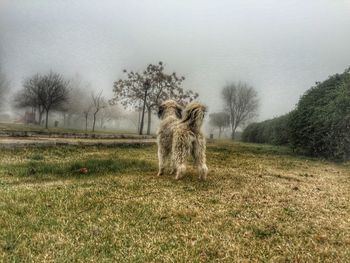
279	47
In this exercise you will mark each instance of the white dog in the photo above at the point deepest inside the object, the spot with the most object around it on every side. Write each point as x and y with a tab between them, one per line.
179	135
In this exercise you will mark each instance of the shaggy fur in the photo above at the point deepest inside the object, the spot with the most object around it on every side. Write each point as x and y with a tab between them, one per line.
179	135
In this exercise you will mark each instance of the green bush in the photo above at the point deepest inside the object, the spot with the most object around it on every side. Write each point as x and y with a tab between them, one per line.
320	125
274	131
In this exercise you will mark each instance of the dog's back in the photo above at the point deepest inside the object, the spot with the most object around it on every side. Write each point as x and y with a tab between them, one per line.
192	119
169	113
179	134
166	131
190	140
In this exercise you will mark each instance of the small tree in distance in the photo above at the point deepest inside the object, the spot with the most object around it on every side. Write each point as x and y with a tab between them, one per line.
241	102
220	120
98	103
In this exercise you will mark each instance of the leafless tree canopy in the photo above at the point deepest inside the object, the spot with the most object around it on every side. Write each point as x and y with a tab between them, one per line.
43	93
132	91
241	102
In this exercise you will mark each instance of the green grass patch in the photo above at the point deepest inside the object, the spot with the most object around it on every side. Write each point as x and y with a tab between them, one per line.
93	167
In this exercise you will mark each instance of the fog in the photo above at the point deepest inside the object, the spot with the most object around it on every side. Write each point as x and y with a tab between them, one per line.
279	47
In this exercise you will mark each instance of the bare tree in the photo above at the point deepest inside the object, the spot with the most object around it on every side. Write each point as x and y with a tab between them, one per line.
149	89
43	92
98	103
241	102
220	120
54	93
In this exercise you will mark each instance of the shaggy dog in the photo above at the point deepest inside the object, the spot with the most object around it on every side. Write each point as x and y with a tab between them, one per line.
169	113
179	135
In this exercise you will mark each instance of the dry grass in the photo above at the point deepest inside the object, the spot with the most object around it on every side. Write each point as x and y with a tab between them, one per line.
261	203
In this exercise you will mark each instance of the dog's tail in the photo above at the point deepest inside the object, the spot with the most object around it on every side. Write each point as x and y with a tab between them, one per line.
193	115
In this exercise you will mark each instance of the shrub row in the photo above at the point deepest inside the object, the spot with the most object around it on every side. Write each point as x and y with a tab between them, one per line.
274	131
319	126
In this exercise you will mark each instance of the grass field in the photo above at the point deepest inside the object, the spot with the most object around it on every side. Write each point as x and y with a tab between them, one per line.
260	203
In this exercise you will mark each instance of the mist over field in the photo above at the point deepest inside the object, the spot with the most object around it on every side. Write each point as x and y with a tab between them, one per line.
174	131
279	47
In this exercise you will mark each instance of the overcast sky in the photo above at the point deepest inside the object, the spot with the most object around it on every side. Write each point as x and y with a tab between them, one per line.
279	47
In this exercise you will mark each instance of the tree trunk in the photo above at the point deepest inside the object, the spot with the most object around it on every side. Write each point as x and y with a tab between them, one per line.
149	121
233	129
40	117
94	122
64	119
47	120
138	121
233	135
219	132
86	121
143	113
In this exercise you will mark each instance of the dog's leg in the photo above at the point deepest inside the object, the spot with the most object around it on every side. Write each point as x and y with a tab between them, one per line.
180	171
172	166
161	159
198	152
180	167
179	154
203	172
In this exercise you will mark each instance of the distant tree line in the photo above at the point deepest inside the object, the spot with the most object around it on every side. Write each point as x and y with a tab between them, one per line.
274	131
53	94
319	126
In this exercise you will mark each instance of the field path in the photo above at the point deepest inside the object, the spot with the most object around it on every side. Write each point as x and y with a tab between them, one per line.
21	142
